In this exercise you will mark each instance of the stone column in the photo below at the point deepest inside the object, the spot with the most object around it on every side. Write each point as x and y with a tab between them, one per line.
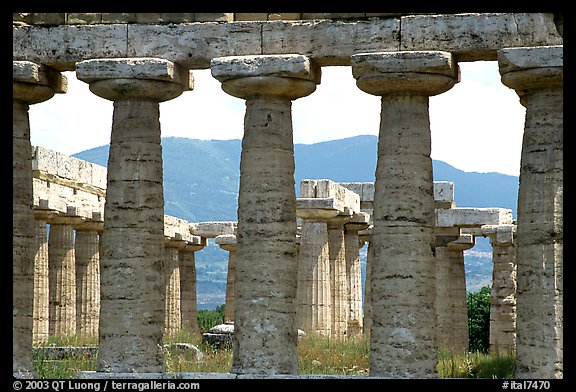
172	316
41	325
403	333
313	293
228	243
452	312
503	294
132	276
537	75
367	322
459	340
188	287
31	83
87	252
62	276
353	274
338	277
265	332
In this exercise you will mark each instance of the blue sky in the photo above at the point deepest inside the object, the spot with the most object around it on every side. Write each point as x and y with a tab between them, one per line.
476	126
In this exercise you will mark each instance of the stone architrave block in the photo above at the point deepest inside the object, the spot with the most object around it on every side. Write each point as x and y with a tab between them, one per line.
134	68
330	42
472	217
331	189
61	47
193	45
477	36
212	229
444	191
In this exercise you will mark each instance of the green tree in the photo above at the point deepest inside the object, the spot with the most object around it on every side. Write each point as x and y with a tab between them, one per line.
209	318
478	304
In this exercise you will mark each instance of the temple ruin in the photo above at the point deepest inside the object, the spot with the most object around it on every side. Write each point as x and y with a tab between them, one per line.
416	234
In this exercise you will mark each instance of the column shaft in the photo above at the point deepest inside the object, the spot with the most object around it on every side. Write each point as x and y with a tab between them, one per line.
338	281
503	300
353	277
172	317
313	276
230	286
62	279
537	75
31	84
41	323
87	282
188	290
403	334
266	267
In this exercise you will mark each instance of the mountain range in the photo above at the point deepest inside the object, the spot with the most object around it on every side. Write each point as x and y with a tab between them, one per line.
201	181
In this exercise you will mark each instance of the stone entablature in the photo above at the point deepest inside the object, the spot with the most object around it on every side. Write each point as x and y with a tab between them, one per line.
68	186
326	42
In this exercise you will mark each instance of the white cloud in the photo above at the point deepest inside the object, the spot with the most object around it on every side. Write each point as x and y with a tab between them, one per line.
476	126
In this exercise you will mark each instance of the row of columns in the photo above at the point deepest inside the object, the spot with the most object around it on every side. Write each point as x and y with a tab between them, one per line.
403	332
67	278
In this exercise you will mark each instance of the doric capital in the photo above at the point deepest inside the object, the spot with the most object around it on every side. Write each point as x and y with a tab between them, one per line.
123	78
525	69
406	72
35	83
288	75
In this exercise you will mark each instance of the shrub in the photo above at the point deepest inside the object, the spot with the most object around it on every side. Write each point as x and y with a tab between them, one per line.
478	304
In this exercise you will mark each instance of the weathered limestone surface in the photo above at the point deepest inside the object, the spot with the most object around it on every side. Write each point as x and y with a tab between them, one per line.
266	266
313	296
470	37
537	76
188	300
503	297
31	84
172	315
62	278
228	243
212	229
87	255
133	278
40	326
359	221
403	331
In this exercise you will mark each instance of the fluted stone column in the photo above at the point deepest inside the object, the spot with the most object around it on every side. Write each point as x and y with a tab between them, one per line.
228	243
537	75
367	322
133	280
338	277
313	293
173	313
41	324
31	84
403	334
503	296
353	277
188	288
62	277
459	340
265	332
87	252
444	300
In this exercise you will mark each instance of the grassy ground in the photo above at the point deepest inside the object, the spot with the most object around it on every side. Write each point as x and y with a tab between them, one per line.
317	355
